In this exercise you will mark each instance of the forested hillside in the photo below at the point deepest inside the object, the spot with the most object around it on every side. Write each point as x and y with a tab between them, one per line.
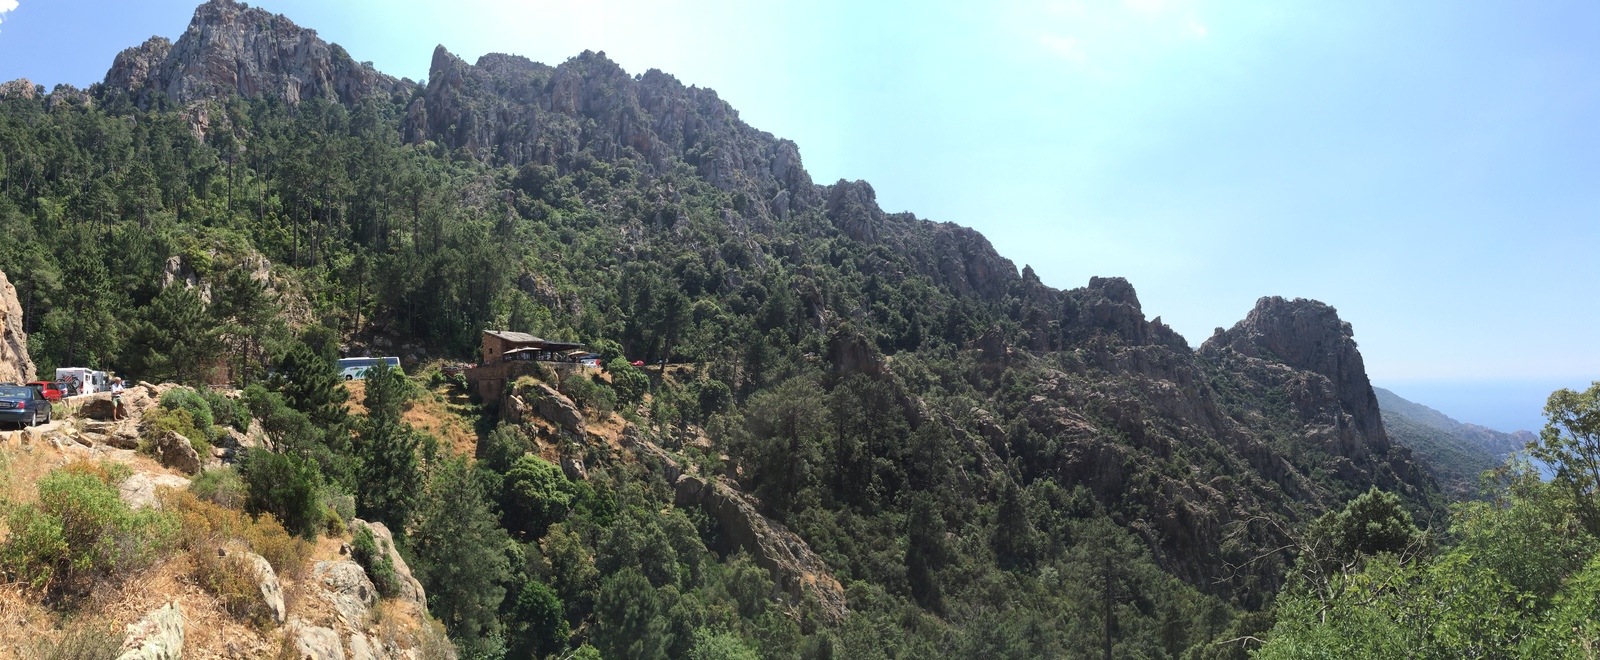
987	466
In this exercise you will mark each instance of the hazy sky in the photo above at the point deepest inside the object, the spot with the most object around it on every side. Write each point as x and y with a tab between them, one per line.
1427	167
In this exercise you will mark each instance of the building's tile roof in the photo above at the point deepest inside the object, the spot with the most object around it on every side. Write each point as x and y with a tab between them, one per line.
518	337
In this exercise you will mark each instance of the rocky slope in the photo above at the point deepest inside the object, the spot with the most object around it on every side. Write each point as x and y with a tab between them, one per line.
15	366
231	48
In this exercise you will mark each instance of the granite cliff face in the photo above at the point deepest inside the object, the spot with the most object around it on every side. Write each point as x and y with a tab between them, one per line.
15	366
231	48
1254	416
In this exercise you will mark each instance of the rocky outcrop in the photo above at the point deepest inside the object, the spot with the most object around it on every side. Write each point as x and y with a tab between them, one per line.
1307	335
410	589
175	451
267	583
158	636
141	489
15	366
347	587
550	404
516	111
231	48
21	88
315	642
794	567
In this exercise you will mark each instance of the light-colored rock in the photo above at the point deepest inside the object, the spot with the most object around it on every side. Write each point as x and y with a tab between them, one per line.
15	366
363	649
410	588
231	48
21	88
267	582
175	451
315	642
158	636
139	490
557	408
347	587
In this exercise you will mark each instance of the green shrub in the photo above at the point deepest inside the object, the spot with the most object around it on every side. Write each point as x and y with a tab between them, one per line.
160	421
630	382
195	404
219	486
364	548
285	485
79	532
227	412
589	395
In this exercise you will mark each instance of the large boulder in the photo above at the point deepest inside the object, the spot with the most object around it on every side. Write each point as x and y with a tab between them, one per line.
410	588
139	490
176	452
135	402
346	586
15	366
158	636
550	404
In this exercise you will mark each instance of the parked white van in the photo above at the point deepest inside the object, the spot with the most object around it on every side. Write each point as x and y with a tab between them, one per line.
356	368
85	381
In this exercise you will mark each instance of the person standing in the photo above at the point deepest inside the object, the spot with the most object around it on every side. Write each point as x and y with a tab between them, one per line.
117	412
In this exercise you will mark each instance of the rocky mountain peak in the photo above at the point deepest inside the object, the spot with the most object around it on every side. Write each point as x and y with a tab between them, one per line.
1307	335
232	48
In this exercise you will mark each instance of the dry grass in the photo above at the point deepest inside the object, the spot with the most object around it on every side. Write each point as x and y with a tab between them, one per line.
432	412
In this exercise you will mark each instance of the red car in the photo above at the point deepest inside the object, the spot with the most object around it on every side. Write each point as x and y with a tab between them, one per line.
51	391
638	363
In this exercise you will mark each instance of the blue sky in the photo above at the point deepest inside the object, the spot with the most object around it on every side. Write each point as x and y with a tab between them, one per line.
1426	167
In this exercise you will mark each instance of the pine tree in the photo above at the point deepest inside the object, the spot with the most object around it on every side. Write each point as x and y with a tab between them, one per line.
460	550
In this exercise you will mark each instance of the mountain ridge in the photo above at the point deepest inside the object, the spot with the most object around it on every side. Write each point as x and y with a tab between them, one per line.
879	384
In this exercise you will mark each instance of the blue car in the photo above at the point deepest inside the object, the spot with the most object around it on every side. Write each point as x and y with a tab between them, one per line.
23	405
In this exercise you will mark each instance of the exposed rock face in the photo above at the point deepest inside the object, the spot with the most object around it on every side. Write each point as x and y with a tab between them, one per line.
315	642
1308	336
555	407
267	582
347	587
21	88
15	366
518	111
140	489
230	48
410	589
176	452
796	569
158	636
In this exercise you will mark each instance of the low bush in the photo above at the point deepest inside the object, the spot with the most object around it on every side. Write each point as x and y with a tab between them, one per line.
227	412
80	532
195	404
82	639
161	421
368	551
232	579
589	395
220	486
207	526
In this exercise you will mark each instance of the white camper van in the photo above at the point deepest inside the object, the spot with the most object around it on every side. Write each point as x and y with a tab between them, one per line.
84	381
